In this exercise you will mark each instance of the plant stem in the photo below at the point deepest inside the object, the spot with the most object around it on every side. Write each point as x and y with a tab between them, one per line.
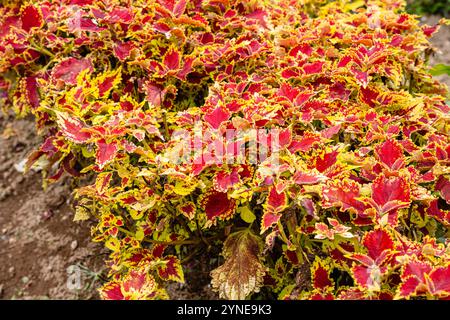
172	243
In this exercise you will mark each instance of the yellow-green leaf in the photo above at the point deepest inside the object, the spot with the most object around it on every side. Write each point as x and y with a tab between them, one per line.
246	214
353	5
81	214
140	235
113	244
183	188
136	215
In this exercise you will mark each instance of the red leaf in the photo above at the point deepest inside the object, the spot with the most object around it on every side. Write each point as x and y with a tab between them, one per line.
187	68
376	242
308	178
304	48
367	277
325	161
302	98
443	186
309	206
276	202
106	152
179	7
440	281
343	193
417	269
313	68
134	282
120	15
441	215
289	73
322	296
81	2
288	92
138	285
224	180
217	205
305	143
31	18
292	257
216	117
408	287
112	291
79	23
105	86
369	96
391	154
389	191
320	276
258	15
32	92
268	220
328	133
172	59
68	70
360	76
171	270
154	92
344	61
284	137
188	210
73	128
122	50
161	27
429	30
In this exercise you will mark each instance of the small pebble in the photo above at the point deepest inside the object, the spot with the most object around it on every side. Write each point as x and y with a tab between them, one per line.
25	279
74	245
46	215
11	270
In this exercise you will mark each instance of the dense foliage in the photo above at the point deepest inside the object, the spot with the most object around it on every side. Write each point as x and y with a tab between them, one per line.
165	102
441	7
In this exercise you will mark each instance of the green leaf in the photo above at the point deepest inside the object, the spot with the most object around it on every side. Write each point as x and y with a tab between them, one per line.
88	152
354	5
113	244
440	69
81	214
140	235
136	215
184	188
246	214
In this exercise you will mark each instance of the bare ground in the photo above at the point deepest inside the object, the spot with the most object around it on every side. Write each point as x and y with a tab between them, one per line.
39	242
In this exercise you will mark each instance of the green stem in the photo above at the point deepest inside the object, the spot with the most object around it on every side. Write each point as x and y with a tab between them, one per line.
127	232
41	50
172	243
345	252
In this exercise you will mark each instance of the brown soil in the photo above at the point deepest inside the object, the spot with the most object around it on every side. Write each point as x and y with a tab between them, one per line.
42	249
38	239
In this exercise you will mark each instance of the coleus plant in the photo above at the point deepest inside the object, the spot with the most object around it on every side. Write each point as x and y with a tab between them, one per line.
306	140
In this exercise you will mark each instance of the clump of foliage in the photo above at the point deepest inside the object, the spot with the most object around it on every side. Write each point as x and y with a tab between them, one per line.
420	7
350	199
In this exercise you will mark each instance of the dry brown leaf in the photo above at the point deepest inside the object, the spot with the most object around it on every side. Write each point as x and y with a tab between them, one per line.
242	272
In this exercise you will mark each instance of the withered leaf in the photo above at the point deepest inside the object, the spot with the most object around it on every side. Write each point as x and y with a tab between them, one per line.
242	272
